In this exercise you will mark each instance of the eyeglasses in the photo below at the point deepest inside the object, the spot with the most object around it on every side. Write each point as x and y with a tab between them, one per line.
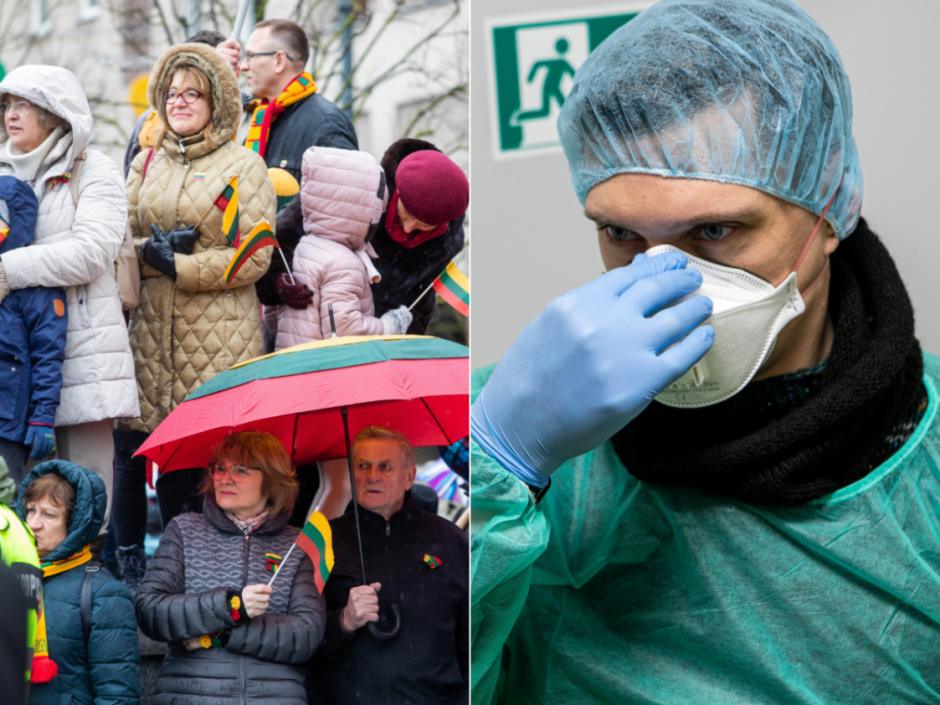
238	473
249	55
21	108
189	96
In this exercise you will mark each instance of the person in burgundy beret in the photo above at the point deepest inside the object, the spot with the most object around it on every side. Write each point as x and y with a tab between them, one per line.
420	233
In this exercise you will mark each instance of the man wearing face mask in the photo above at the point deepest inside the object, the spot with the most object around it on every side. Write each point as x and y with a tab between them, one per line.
710	474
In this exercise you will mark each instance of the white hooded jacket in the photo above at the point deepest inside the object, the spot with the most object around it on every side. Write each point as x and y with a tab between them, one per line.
76	249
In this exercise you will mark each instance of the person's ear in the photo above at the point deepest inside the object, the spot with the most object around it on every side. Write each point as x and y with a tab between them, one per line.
410	477
832	242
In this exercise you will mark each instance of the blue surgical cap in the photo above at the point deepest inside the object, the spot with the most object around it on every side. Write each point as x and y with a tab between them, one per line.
748	92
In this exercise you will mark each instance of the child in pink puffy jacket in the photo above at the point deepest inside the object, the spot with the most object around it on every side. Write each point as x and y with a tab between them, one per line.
343	196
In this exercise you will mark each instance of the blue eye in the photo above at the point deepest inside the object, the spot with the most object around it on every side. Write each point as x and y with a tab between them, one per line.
716	232
620	234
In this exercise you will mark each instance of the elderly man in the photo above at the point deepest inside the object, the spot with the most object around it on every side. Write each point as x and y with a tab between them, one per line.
414	560
742	511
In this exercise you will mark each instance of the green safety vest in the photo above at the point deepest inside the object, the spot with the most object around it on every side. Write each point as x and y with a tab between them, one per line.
18	551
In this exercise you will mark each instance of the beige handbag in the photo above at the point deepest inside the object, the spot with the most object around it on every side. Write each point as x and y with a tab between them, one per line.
126	267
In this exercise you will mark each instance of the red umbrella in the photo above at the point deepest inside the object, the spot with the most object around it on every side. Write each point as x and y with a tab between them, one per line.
309	396
418	385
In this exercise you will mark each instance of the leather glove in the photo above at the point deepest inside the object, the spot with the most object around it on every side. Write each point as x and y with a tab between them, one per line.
42	439
396	322
294	295
589	364
158	253
181	240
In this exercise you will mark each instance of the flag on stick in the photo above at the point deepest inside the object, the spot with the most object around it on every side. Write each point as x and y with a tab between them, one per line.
227	202
317	542
261	236
454	287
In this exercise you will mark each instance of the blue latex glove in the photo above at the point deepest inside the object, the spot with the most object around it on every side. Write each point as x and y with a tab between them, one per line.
589	364
41	438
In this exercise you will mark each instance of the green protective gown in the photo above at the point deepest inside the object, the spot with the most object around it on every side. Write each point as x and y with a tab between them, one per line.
613	590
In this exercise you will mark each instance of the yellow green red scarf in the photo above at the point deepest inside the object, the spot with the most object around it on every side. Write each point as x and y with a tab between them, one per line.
44	668
301	87
50	568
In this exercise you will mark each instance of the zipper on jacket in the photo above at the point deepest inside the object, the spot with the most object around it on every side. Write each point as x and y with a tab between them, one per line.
243	659
388	529
182	151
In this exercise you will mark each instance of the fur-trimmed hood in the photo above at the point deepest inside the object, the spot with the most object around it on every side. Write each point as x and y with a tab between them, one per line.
226	96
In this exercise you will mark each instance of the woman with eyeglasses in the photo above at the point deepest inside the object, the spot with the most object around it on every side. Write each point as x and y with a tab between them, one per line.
45	131
191	323
231	637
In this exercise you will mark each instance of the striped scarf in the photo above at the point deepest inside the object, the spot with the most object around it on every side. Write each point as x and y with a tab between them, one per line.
301	87
246	526
50	568
44	668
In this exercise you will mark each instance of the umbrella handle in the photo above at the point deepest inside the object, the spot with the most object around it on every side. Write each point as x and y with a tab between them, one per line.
389	635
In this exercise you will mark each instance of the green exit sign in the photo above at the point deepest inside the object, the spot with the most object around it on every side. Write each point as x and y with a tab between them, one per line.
533	60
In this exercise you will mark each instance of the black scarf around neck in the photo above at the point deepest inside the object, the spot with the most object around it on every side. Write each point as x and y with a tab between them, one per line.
797	452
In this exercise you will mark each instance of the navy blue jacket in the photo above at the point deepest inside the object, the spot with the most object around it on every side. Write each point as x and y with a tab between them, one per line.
33	323
311	122
108	672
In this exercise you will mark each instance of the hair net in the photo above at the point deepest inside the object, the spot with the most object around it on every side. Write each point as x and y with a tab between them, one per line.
748	92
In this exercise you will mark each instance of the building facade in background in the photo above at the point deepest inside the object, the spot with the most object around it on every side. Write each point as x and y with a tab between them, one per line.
410	62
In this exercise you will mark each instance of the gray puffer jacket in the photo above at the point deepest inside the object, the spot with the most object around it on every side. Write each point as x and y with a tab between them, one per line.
202	560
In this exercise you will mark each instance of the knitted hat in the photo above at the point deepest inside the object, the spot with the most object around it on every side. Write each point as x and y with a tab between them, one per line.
432	187
286	187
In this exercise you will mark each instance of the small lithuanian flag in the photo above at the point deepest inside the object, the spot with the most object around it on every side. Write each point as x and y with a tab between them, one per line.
454	287
261	236
227	202
317	542
4	229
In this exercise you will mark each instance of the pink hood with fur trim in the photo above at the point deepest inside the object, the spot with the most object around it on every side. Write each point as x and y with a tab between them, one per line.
343	195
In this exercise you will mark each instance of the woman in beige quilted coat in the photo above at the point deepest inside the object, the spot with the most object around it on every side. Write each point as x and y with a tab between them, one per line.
190	324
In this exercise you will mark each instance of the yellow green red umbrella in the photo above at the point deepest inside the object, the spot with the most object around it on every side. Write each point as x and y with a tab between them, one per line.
418	385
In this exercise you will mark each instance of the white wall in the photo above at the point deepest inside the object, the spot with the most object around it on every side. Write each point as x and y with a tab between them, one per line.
532	242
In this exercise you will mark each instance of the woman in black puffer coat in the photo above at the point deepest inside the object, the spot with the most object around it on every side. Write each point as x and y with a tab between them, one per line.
414	247
232	638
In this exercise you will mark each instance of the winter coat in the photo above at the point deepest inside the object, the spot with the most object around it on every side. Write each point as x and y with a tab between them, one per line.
429	660
13	632
76	249
34	323
311	122
405	273
343	196
107	671
186	331
203	559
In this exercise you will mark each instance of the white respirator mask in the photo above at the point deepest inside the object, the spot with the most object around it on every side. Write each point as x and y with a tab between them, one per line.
748	314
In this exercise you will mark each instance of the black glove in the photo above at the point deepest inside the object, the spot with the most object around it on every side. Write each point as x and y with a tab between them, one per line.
158	253
181	240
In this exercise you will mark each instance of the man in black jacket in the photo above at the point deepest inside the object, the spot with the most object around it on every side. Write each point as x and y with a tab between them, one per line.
289	115
415	561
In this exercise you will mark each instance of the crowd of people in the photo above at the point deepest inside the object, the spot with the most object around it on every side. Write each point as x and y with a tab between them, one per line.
90	375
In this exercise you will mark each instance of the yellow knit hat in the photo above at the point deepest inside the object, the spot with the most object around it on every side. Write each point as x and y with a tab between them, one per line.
285	186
